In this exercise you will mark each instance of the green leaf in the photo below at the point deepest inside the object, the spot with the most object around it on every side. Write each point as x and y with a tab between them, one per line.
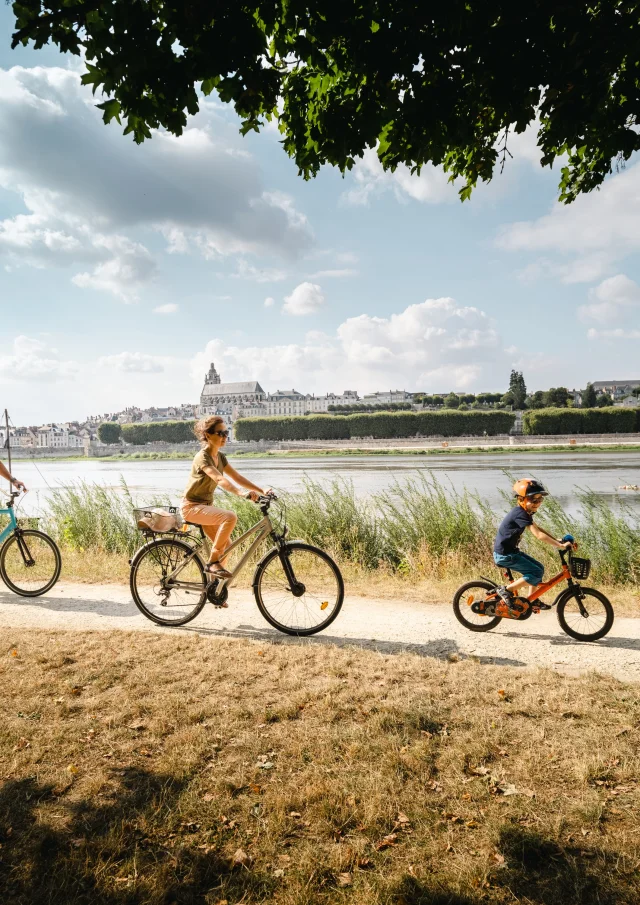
111	110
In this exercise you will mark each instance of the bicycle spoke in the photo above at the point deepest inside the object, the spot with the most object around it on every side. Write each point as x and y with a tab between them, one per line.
317	605
163	598
30	563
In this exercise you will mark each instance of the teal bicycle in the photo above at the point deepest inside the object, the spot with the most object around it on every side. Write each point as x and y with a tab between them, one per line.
30	561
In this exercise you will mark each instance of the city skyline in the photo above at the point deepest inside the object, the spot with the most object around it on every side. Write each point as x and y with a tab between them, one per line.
125	270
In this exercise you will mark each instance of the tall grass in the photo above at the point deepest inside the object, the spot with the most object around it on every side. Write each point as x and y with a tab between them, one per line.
417	528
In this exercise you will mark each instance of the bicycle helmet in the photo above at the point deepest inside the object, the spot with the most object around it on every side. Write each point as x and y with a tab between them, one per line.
528	487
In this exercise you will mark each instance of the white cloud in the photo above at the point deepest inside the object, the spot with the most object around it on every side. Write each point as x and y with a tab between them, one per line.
614	306
33	360
91	187
434	345
171	308
331	274
582	241
269	302
123	274
306	298
432	186
134	363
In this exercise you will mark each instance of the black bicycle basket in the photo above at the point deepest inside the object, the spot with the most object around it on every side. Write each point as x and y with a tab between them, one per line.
580	568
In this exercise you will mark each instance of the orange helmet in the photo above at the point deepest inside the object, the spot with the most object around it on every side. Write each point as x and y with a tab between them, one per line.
528	487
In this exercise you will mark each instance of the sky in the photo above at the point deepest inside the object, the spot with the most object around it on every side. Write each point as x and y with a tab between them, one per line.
125	270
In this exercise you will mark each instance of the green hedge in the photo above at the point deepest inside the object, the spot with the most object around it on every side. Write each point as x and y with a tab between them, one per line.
167	431
608	420
379	426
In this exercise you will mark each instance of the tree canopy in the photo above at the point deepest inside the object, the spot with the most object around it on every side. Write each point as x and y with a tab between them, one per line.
422	83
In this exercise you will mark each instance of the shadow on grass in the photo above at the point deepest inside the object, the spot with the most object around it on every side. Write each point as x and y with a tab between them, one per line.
117	852
540	871
414	892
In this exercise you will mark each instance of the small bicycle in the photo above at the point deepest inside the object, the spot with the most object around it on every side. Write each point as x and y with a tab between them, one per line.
583	613
30	561
298	588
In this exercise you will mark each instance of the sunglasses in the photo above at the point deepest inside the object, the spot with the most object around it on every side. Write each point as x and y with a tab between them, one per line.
213	432
536	499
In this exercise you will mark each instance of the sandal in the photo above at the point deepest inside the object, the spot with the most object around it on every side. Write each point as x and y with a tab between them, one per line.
217	570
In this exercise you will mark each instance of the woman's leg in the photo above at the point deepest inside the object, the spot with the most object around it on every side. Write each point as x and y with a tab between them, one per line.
218	525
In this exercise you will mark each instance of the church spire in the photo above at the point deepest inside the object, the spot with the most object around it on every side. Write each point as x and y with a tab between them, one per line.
212	376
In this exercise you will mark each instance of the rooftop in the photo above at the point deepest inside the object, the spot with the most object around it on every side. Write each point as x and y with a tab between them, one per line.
232	389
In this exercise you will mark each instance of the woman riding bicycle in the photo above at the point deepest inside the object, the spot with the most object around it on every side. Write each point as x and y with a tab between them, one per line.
211	469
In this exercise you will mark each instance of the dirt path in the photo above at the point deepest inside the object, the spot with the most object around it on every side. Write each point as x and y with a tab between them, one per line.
386	625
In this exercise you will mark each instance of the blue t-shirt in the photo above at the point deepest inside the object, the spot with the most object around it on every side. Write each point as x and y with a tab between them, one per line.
511	530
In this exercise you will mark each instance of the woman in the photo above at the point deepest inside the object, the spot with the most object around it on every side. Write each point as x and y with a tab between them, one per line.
209	470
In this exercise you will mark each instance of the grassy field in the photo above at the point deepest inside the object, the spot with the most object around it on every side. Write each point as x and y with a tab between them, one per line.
182	770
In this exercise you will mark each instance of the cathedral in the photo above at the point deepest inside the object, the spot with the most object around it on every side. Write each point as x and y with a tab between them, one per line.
219	398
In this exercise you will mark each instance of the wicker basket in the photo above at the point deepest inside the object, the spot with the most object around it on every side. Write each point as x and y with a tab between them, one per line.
580	568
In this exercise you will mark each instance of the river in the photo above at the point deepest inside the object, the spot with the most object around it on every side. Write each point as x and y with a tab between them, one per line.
603	472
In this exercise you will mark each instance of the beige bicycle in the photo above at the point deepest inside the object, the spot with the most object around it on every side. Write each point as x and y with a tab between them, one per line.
298	588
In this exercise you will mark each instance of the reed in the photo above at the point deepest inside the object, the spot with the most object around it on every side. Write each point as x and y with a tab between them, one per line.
417	528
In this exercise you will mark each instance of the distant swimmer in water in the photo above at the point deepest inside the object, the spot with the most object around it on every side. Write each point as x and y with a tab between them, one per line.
629	487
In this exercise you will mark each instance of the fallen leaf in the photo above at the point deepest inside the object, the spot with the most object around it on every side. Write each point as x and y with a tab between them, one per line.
480	771
254	787
498	858
22	743
136	726
466	797
278	872
267	765
471	824
402	819
365	864
295	814
453	658
388	841
240	859
76	690
208	796
435	786
145	752
14	653
344	880
507	788
72	769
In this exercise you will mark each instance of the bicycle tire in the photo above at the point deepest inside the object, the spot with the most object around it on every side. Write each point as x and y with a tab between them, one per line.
259	588
23	534
156	549
582	636
458	612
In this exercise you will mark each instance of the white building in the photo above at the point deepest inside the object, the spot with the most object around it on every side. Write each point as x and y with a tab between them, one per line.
53	436
387	396
617	389
291	402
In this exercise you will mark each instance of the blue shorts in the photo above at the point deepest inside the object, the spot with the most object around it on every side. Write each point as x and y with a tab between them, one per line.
530	568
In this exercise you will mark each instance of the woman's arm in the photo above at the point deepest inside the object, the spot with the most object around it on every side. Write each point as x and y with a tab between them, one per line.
243	482
5	474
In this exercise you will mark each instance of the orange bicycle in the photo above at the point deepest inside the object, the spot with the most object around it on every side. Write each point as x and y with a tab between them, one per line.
583	613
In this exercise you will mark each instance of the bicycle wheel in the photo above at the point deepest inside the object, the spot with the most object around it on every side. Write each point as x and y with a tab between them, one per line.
469	593
594	623
30	563
164	600
313	604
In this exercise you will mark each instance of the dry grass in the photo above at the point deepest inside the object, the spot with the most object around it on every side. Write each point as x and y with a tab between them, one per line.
180	769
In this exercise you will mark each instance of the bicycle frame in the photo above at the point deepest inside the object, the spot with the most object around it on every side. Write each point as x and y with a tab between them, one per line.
11	527
545	586
262	529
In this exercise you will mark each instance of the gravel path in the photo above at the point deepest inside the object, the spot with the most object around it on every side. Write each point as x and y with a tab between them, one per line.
390	626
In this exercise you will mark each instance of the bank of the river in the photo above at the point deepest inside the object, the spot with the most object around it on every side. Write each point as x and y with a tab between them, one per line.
339	453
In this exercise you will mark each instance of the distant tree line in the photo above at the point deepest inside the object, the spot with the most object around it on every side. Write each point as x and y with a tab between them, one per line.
379	426
607	420
139	434
365	407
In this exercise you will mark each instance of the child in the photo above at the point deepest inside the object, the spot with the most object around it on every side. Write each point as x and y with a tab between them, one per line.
529	494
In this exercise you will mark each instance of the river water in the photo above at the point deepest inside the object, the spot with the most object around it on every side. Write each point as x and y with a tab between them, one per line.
603	472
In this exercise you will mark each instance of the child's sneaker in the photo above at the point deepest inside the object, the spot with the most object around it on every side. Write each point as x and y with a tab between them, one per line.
505	594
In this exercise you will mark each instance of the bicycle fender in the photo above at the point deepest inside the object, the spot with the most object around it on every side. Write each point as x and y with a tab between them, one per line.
153	543
564	595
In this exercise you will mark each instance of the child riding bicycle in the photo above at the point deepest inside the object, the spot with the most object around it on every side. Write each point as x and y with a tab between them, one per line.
530	495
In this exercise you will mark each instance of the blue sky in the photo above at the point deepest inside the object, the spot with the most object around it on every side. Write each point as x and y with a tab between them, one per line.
124	270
